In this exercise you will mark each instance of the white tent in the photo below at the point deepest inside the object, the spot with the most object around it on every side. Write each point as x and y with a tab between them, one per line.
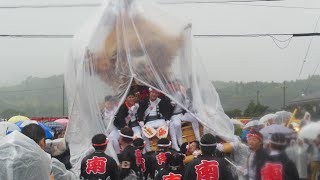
131	40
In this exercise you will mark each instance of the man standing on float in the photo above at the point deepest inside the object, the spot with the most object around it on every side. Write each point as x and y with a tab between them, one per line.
181	115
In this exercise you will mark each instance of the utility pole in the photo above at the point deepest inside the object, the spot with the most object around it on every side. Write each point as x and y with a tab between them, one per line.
63	99
258	92
284	94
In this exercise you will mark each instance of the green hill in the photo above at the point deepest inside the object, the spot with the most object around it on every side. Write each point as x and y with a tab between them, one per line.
42	97
34	97
237	95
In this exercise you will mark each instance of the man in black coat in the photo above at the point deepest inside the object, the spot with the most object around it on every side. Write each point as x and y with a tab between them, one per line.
160	157
279	166
154	112
175	168
98	165
127	157
126	116
145	162
207	166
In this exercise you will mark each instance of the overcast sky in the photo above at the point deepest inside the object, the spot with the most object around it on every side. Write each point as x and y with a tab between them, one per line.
227	59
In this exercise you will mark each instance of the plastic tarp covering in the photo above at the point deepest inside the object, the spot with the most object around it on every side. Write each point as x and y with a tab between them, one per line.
22	158
60	172
133	41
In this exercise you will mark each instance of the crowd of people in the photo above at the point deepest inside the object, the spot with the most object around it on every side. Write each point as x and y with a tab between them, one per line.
275	158
146	108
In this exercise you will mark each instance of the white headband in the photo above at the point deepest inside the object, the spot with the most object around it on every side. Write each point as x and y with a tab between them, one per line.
131	137
208	144
278	143
164	145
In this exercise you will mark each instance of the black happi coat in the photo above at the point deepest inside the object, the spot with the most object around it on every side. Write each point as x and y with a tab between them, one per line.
169	173
128	155
259	159
150	165
98	165
120	118
289	170
159	159
165	108
206	167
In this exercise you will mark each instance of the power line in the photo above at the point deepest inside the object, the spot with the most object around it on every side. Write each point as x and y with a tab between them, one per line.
49	36
50	6
254	35
237	3
307	52
208	2
195	35
231	2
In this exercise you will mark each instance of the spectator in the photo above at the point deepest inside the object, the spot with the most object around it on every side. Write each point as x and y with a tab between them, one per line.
279	166
257	157
59	171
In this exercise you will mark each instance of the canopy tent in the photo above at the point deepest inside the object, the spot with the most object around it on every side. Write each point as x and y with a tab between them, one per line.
133	41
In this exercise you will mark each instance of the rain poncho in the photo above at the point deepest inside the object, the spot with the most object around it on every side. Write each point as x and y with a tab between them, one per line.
298	154
22	158
132	41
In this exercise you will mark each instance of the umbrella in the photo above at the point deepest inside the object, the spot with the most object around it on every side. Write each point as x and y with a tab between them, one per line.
252	123
265	118
15	119
282	116
55	125
236	122
7	128
47	130
276	128
310	131
65	122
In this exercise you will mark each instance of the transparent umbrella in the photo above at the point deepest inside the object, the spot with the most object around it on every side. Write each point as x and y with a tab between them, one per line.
252	123
283	117
267	117
310	131
276	128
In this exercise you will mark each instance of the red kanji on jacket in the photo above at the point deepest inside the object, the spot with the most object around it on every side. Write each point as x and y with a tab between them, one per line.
172	176
207	170
139	160
96	165
272	171
161	158
138	155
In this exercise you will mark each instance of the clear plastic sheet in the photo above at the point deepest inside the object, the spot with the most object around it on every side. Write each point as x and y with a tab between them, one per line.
133	41
22	158
60	172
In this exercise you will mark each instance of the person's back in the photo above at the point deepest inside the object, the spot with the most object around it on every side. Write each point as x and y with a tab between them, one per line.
174	169
160	156
207	166
98	165
278	164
